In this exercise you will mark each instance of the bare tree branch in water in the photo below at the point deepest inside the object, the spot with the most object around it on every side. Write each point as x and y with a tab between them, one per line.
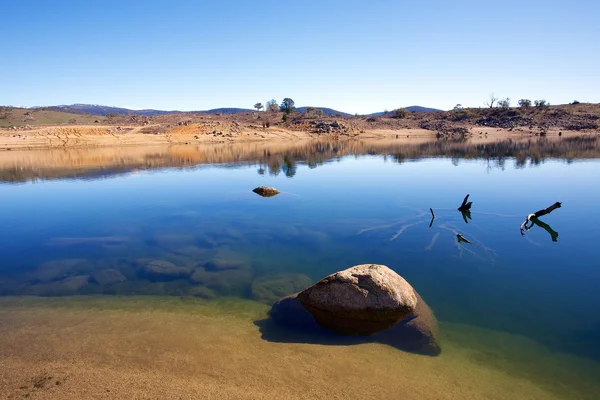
466	204
533	219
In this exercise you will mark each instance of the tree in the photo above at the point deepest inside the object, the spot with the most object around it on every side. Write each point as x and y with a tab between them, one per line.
524	103
272	106
258	106
491	101
287	106
458	107
541	103
505	104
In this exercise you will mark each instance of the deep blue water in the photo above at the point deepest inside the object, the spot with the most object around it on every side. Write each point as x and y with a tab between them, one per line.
349	210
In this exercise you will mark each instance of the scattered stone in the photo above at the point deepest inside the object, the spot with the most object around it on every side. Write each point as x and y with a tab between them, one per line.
324	127
361	300
266	191
269	289
108	276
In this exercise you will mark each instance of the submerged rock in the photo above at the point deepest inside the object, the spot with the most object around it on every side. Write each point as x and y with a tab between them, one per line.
59	269
108	276
417	333
161	270
361	300
266	191
228	281
64	287
269	289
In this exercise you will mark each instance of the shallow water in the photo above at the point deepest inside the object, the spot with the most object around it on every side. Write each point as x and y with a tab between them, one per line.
516	300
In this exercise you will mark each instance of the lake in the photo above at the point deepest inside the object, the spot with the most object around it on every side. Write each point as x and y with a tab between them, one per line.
518	309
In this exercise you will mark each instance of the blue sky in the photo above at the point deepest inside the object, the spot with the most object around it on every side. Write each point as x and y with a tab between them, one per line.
354	56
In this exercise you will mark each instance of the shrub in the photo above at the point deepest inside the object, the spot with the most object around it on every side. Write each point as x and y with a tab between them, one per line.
524	103
400	113
504	104
460	115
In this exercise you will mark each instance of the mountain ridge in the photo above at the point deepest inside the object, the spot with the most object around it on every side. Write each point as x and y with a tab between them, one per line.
96	109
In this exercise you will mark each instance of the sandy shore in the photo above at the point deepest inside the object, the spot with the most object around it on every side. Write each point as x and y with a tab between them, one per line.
86	136
171	348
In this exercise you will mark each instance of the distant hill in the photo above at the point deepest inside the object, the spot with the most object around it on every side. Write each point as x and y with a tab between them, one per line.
101	110
411	109
108	110
224	111
95	109
326	111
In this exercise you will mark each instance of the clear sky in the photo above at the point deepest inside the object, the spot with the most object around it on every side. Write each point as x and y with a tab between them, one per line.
354	56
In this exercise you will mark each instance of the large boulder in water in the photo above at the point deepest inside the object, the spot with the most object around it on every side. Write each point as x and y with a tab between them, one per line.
417	333
361	300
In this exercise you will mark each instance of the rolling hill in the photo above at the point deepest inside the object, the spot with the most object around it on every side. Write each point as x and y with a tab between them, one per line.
94	109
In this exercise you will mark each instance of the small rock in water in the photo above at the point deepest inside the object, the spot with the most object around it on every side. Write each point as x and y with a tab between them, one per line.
361	300
266	191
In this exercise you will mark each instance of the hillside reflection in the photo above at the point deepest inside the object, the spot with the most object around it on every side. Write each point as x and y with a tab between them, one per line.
282	157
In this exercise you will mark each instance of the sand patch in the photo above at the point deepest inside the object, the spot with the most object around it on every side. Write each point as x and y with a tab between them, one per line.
149	348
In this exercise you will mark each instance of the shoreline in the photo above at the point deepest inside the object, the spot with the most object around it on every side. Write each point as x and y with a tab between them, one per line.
94	136
157	347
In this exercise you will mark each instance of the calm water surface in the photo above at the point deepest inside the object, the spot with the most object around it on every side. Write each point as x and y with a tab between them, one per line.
332	214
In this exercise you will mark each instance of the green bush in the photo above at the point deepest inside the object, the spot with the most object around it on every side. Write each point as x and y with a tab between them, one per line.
400	113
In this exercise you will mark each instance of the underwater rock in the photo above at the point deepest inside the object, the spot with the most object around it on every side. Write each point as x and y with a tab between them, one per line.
228	281
417	333
225	258
202	292
59	269
173	241
108	276
161	270
266	191
269	289
65	287
361	300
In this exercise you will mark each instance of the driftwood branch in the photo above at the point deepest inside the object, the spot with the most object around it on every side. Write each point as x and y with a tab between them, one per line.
466	204
532	218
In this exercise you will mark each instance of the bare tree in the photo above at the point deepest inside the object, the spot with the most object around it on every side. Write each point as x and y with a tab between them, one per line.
272	106
491	101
